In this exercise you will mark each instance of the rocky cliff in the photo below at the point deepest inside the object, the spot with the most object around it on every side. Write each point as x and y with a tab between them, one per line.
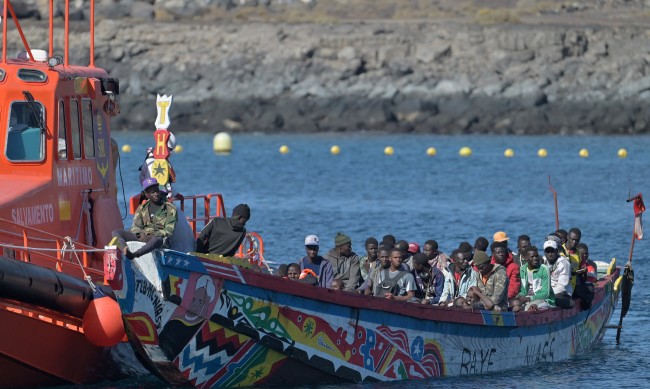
238	66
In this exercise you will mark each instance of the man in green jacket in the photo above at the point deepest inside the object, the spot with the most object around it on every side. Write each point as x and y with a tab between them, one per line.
153	222
536	291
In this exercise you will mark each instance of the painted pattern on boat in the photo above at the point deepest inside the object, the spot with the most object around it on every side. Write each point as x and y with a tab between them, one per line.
212	324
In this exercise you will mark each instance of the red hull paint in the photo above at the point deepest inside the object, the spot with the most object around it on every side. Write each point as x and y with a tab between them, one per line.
41	347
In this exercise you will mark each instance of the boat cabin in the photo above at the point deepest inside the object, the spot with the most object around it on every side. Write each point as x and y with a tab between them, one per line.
57	159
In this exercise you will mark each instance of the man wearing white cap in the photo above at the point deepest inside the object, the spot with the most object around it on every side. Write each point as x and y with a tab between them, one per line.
560	269
314	262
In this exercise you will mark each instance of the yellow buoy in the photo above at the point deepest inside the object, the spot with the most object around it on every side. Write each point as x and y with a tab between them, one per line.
335	150
388	150
465	151
622	153
431	151
222	143
509	153
584	153
542	153
284	149
126	148
178	149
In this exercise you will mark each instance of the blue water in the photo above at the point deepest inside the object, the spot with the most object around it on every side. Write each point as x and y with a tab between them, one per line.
363	193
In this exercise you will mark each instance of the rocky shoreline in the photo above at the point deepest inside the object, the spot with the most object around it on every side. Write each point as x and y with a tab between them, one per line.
538	74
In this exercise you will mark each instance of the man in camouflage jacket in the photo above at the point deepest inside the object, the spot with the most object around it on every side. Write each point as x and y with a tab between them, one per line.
153	222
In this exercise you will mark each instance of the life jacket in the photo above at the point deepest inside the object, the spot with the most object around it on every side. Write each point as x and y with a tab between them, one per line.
305	272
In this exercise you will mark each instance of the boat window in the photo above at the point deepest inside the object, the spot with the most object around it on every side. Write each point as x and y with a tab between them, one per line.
75	129
25	138
89	134
62	147
2	74
32	75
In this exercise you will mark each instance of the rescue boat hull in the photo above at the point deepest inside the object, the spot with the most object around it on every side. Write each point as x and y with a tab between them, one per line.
41	348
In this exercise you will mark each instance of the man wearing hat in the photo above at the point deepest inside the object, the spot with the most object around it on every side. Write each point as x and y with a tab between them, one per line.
314	262
492	285
345	263
223	236
153	222
560	270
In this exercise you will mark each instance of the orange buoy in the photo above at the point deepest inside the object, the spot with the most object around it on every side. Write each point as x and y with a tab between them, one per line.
102	322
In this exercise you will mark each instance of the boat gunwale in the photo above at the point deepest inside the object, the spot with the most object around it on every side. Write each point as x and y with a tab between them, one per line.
418	311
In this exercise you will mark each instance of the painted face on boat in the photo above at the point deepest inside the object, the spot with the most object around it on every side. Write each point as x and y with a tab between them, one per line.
199	302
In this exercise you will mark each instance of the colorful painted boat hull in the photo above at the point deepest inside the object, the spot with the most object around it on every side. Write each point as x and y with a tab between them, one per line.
214	324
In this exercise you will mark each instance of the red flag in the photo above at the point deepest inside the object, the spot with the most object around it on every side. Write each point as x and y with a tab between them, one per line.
639	208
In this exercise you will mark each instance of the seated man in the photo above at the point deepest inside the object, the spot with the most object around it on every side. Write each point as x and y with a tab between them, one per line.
591	274
560	270
312	261
459	277
429	280
436	257
345	262
223	236
369	261
153	222
383	257
535	282
394	283
501	256
492	287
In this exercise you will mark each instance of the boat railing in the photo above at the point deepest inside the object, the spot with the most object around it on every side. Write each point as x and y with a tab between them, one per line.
29	244
8	10
198	209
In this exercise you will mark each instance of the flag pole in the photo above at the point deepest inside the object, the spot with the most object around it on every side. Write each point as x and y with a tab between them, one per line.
557	215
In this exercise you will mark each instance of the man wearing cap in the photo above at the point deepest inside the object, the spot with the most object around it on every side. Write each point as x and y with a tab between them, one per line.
536	287
223	236
492	285
314	262
345	263
560	270
153	222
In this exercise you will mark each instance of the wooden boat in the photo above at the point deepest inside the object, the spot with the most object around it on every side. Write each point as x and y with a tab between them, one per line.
213	323
57	173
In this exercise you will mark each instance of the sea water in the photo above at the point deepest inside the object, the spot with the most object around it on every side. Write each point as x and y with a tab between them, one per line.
362	192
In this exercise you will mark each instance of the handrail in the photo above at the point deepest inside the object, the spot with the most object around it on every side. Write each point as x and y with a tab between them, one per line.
29	244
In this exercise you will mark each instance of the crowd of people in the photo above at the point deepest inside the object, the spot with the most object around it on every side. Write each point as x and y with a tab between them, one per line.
469	278
398	270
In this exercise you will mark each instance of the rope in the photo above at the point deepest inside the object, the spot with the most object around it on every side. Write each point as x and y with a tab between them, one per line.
72	250
68	245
